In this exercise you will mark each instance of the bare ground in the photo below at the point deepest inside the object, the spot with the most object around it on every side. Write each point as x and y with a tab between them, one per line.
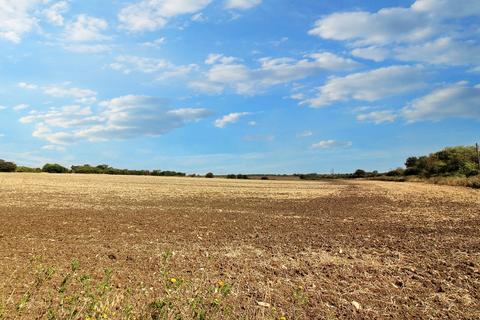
292	249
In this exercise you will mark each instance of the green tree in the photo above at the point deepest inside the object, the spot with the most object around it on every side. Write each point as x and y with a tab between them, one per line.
54	168
359	173
6	166
209	175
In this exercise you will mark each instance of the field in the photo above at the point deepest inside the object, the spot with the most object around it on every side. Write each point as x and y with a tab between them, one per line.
112	247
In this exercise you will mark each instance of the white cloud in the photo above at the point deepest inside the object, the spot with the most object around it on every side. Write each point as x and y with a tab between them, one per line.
155	43
162	68
228	72
17	19
372	53
20	107
230	118
64	117
448	8
386	26
85	29
55	11
442	51
241	4
369	86
87	48
53	147
85	96
305	134
432	31
128	64
28	86
85	34
377	117
125	117
459	100
3	108
330	144
150	15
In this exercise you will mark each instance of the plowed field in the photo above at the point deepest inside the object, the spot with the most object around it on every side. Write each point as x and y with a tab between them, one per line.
195	248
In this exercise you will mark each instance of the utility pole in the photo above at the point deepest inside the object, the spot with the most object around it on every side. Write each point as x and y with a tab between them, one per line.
478	155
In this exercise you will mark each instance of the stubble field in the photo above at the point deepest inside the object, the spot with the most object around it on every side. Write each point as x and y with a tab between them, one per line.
112	247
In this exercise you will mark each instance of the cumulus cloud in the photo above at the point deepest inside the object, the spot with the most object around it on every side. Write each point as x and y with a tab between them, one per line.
230	118
17	19
448	8
431	31
242	4
460	100
385	26
229	72
124	117
85	34
150	15
86	28
54	13
369	86
330	144
441	51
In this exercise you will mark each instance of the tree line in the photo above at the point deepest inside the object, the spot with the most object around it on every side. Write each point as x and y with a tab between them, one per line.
6	166
451	161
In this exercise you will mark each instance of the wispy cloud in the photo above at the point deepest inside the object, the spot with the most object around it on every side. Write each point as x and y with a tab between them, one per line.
330	144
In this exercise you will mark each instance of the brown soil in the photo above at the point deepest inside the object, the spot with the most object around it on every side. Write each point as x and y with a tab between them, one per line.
298	249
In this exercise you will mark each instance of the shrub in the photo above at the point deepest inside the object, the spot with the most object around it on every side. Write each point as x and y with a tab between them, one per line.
7	166
28	169
396	173
265	178
209	175
54	168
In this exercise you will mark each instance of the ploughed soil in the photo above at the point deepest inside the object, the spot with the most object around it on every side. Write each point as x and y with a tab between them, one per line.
289	249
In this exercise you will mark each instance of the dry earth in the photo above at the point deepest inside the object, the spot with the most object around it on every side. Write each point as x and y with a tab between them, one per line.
290	249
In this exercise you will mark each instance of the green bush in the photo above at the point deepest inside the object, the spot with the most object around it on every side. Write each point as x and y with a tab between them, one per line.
28	169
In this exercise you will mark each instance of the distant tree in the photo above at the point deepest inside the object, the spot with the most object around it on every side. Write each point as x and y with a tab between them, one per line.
458	160
6	166
359	173
209	175
54	168
265	178
231	176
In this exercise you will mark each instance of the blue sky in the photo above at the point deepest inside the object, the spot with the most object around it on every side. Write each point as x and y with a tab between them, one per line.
251	86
